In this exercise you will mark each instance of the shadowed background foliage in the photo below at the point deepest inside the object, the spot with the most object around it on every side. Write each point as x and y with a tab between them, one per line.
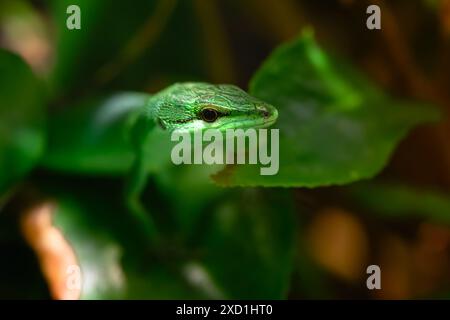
347	98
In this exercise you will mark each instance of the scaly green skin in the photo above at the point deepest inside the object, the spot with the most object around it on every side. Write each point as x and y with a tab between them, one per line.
180	107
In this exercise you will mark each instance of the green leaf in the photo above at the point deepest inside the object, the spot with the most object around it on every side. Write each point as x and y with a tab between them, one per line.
22	133
97	129
195	193
114	258
240	241
396	201
248	246
243	247
335	126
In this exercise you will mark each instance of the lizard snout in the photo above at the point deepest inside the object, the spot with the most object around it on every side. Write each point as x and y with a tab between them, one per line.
267	111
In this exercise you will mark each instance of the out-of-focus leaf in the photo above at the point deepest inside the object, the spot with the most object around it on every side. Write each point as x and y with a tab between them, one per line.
97	129
195	193
21	119
115	261
243	247
335	126
241	242
128	45
400	201
248	247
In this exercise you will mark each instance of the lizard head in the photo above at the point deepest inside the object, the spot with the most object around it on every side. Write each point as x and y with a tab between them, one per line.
198	106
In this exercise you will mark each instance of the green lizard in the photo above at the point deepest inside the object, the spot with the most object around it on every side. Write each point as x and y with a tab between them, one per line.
126	133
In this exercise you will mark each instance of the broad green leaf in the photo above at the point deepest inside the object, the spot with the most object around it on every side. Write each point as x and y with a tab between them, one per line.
92	136
96	129
247	249
241	241
114	258
242	247
402	202
335	126
22	133
195	193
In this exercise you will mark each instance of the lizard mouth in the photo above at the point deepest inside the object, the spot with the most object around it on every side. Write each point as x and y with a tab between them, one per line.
268	115
255	124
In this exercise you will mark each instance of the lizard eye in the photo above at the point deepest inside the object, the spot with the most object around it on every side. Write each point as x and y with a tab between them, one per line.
209	115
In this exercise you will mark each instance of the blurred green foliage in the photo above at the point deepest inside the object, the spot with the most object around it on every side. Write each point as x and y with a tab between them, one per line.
126	46
400	201
336	127
214	256
22	134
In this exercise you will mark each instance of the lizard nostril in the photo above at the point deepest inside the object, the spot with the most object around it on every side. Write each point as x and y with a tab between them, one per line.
264	111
